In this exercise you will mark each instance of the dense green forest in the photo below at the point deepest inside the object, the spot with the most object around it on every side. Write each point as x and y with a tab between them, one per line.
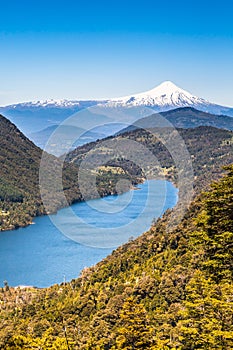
20	198
186	117
20	160
164	290
209	149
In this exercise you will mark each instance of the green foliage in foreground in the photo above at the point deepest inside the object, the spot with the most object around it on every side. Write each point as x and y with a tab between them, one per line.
163	291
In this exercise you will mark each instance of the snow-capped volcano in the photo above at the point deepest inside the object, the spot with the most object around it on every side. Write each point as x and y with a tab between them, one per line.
31	117
168	96
165	96
162	98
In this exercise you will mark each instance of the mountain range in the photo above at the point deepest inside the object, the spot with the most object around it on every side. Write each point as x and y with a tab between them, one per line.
20	187
44	114
61	139
186	117
167	289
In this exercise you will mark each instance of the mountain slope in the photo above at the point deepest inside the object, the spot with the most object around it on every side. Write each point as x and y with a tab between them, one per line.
20	163
65	133
20	197
208	147
186	117
34	116
19	178
165	290
168	96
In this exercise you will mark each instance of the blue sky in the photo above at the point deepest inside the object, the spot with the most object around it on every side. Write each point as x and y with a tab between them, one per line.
96	49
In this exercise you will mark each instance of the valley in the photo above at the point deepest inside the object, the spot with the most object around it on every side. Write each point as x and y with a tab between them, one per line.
153	276
166	280
116	175
45	115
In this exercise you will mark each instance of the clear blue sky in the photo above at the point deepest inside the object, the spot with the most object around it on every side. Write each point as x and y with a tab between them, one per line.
93	49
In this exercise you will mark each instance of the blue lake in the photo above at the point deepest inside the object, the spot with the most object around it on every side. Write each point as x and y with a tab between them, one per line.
57	247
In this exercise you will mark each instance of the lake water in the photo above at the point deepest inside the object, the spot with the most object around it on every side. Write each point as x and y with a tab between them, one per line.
57	248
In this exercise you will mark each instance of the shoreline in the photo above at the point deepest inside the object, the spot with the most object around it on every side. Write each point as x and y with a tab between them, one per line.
32	283
133	188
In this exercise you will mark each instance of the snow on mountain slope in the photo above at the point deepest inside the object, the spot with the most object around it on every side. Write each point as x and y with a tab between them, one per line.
168	96
51	103
31	117
163	96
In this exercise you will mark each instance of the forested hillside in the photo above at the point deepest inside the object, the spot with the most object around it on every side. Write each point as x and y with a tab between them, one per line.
20	160
209	149
20	198
186	117
165	290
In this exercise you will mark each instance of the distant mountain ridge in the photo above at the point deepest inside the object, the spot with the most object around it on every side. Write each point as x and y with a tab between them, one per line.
20	184
31	117
186	117
41	137
53	103
163	97
34	117
210	149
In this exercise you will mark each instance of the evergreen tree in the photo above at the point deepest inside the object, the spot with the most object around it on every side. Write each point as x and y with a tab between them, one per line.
134	331
216	228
